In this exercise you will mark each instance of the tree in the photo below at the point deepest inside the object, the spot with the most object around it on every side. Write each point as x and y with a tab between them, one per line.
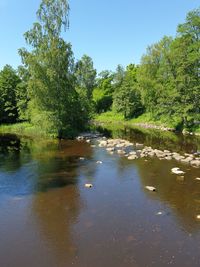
126	97
186	51
22	97
128	101
85	79
169	75
54	103
155	77
103	93
85	76
8	105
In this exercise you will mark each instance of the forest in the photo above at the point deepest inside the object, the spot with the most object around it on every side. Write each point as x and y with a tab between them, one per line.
52	91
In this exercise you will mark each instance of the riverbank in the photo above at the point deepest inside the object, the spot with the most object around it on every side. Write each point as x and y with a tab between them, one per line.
145	121
24	129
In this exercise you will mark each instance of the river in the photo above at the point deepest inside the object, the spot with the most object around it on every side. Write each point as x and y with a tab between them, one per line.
49	219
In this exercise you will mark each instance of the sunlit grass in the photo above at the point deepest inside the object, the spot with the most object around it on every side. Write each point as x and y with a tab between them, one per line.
172	122
23	129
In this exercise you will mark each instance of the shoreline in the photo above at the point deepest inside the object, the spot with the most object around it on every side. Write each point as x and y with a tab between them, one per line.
143	125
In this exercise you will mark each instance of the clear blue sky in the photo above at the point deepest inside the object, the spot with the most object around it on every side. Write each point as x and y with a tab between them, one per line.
112	32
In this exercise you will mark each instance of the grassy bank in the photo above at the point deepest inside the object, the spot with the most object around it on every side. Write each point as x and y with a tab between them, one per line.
111	117
143	120
23	129
29	130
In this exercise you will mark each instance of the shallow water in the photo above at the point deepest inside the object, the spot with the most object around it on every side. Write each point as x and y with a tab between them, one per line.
48	218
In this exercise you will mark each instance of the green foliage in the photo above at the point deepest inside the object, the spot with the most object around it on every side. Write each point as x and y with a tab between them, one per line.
8	105
186	49
24	129
85	76
127	98
59	96
22	97
85	79
169	74
109	117
54	103
102	94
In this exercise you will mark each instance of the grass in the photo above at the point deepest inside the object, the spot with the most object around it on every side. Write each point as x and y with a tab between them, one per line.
172	122
26	129
112	117
23	129
109	116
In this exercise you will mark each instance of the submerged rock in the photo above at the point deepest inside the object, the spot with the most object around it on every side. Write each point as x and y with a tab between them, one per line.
103	143
121	152
180	178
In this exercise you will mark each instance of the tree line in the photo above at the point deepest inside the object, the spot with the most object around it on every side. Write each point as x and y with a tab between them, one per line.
53	91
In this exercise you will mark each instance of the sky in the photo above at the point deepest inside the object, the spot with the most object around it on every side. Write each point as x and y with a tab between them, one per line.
111	32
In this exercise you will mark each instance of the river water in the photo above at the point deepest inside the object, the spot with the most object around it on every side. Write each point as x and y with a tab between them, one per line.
49	219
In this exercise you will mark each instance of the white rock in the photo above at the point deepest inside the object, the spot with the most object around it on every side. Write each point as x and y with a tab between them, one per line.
159	213
103	143
150	188
133	153
177	171
88	185
109	149
139	145
195	163
121	152
168	158
131	157
93	145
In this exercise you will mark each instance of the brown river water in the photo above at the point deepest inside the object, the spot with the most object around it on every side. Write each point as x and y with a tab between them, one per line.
49	219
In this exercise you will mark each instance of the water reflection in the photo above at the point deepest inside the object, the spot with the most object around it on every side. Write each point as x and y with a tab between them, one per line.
154	138
39	181
48	218
181	194
56	213
29	166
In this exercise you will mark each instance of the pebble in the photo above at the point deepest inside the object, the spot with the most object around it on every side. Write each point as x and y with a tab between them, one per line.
150	188
88	185
129	149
